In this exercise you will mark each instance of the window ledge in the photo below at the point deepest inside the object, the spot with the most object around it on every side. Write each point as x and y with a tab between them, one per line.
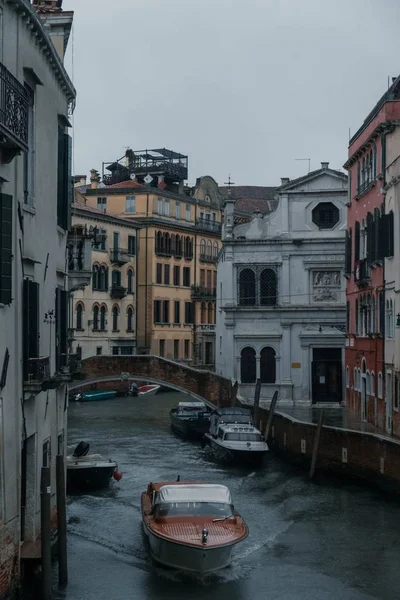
79	329
61	231
115	330
29	209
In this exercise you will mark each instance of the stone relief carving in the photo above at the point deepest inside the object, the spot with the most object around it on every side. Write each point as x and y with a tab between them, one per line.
326	286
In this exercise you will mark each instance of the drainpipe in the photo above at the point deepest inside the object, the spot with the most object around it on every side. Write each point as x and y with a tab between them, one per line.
195	283
145	276
384	281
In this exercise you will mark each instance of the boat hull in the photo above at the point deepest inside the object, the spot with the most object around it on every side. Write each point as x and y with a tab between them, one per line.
193	429
148	390
187	558
95	396
89	478
232	455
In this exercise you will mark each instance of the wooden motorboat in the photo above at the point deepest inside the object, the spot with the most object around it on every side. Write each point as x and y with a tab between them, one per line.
94	395
233	438
190	419
88	471
191	526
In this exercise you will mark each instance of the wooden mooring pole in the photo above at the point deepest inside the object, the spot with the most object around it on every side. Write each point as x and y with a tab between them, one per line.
271	415
61	521
316	444
45	527
257	393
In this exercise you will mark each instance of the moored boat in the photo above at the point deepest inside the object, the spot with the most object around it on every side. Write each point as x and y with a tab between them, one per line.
191	526
190	419
94	395
88	471
144	390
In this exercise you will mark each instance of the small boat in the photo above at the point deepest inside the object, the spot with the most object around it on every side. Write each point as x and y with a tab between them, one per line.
190	419
191	526
233	438
144	390
88	471
95	395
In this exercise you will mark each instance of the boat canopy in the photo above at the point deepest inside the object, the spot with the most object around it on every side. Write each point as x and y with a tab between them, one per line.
191	405
202	492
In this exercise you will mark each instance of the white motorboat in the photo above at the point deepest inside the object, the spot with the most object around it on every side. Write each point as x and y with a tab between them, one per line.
144	390
191	526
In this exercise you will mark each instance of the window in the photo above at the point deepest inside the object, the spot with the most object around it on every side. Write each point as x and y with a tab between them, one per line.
372	383
162	347
166	208
347	377
210	313
130	204
177	210
157	311
95	318
165	311
203	313
166	274
129	319
188	248
116	240
30	326
209	248
176	349
102	203
103	241
177	275
188	212
268	287
348	253
215	249
115	316
368	383
248	365
189	312
247	288
79	316
325	215
186	276
159	206
132	245
64	179
267	365
103	320
202	278
130	281
159	273
389	318
177	311
6	231
102	279
29	155
202	247
116	278
355	380
187	349
380	387
46	454
99	350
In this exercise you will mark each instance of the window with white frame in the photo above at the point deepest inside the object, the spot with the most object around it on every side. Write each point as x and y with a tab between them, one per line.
166	208
159	206
130	204
177	210
188	212
380	387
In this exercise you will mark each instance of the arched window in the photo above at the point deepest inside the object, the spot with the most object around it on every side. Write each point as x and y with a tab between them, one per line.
215	249
248	365
267	365
347	377
188	247
95	277
95	317
178	243
210	316
115	316
209	248
203	247
103	320
355	380
130	275
103	278
247	288
158	241
129	318
368	383
268	287
79	316
203	311
167	243
372	383
380	387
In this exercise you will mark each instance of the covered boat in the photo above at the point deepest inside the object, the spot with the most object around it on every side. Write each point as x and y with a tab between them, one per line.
191	526
190	419
88	471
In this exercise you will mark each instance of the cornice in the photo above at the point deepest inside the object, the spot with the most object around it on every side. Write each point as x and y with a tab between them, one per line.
104	218
385	127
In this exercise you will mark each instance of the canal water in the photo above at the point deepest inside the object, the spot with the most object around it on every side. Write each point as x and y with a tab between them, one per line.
322	541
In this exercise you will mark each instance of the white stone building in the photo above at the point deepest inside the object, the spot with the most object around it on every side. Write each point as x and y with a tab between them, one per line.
280	298
35	180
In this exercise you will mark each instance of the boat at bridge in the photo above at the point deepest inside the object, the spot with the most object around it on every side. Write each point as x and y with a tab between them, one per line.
94	395
191	526
190	419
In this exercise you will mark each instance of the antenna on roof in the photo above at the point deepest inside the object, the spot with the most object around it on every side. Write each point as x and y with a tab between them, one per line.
229	182
309	162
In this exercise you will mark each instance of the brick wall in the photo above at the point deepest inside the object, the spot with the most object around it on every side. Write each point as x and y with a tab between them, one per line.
9	558
210	386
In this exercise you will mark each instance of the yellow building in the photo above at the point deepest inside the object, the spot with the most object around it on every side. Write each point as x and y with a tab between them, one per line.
179	244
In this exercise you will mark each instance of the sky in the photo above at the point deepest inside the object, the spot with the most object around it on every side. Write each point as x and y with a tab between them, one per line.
243	87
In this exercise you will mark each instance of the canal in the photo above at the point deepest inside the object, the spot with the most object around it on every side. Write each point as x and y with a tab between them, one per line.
308	541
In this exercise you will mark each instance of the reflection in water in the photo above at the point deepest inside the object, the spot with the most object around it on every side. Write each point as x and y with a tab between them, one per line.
307	541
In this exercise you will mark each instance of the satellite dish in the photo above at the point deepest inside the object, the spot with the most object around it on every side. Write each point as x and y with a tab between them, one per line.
132	176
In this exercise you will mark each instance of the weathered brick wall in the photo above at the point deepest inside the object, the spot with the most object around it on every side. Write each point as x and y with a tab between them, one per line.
9	558
210	386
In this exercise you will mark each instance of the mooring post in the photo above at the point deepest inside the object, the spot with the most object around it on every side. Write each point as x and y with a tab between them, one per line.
271	415
257	393
45	528
316	444
61	521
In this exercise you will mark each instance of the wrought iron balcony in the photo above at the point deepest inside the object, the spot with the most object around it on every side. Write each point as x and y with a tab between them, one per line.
36	372
119	255
118	291
14	114
209	258
199	292
208	226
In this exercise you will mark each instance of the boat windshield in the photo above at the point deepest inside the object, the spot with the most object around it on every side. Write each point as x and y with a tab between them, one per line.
243	437
193	509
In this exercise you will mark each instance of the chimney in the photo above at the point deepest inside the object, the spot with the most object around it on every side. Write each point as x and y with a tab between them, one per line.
324	165
56	22
79	180
94	179
284	180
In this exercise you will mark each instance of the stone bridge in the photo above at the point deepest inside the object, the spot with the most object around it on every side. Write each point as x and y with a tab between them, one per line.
202	385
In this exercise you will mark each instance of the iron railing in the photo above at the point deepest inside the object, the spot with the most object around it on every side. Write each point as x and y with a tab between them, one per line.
37	370
14	109
208	225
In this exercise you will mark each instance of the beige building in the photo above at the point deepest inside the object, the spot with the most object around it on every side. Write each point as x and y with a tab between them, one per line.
179	244
103	317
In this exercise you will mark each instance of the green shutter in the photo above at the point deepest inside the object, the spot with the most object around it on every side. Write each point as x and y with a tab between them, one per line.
6	238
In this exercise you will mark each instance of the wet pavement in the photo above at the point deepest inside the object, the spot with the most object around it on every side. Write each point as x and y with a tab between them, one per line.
311	541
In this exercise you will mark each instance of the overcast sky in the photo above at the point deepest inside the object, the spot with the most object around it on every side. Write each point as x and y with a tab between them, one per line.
244	87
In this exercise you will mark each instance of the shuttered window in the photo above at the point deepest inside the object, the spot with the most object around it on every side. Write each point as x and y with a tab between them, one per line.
30	324
357	241
5	249
370	238
64	182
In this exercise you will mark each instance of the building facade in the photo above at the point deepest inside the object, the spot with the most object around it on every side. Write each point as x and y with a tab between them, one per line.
179	244
103	315
280	296
35	179
371	265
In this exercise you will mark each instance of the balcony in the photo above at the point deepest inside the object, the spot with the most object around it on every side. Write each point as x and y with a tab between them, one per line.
198	292
208	226
36	372
361	272
119	255
118	291
14	111
206	328
79	261
208	258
